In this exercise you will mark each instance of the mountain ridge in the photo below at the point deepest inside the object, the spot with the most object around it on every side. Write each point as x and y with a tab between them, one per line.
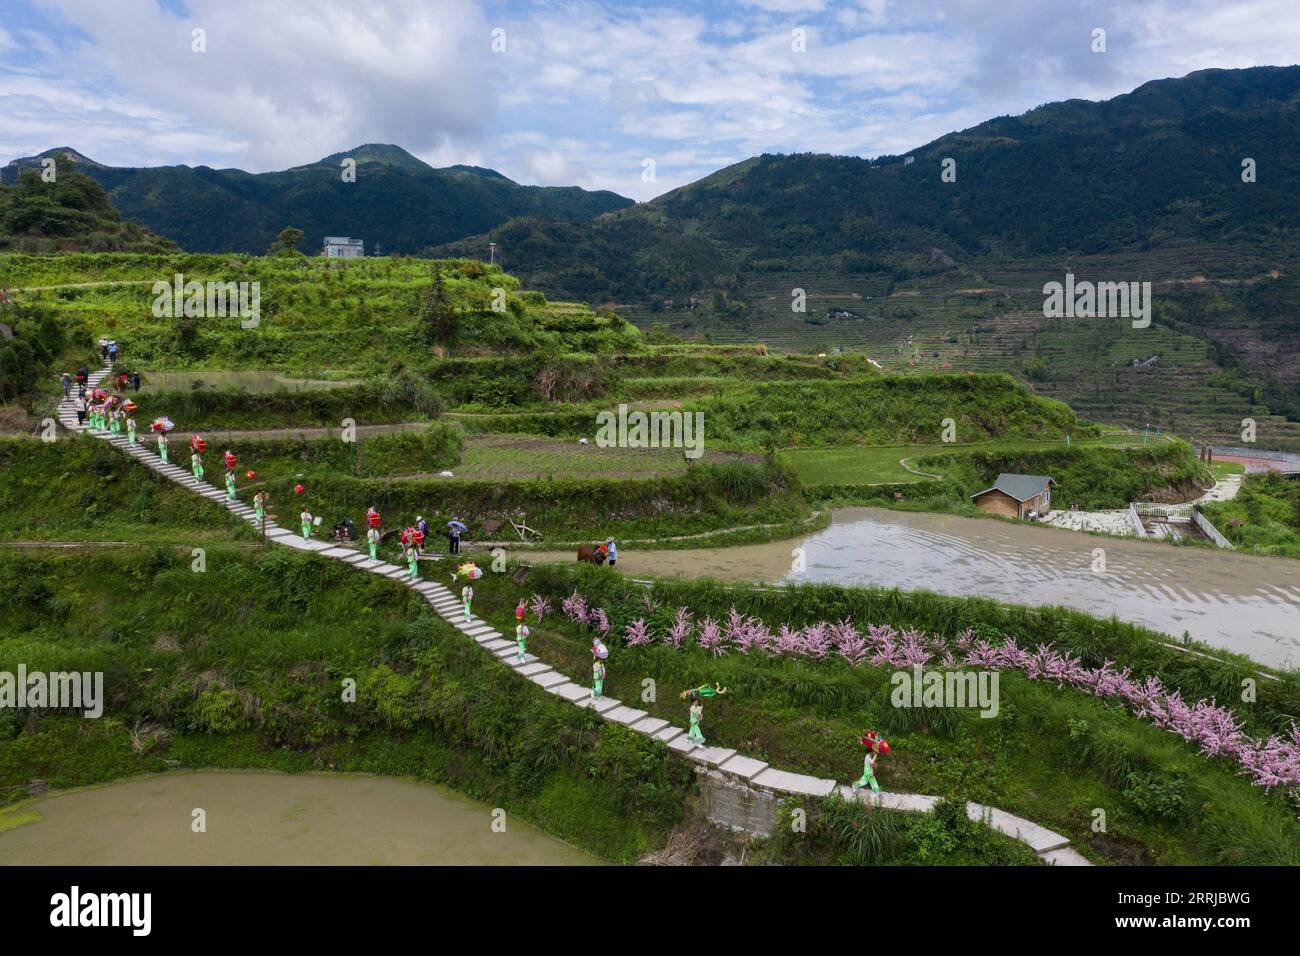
395	199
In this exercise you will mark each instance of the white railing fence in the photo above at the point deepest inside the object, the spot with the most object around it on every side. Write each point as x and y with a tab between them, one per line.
1210	530
1136	521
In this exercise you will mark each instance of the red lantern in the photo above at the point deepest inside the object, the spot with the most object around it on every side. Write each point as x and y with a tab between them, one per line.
250	475
298	489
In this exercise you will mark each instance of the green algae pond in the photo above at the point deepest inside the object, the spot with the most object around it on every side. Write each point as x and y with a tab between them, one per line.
261	818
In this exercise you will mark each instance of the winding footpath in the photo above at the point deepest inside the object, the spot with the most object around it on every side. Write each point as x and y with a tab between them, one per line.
737	769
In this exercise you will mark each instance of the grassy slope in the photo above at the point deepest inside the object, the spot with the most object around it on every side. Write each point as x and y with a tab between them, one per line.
1264	517
242	665
1096	478
315	314
1051	755
872	464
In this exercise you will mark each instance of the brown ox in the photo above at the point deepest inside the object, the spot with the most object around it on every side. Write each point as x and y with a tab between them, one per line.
591	554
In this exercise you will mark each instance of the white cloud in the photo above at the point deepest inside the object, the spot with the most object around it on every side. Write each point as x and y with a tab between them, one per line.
586	89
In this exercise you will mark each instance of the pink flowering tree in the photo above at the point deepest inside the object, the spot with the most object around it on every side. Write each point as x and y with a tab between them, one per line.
637	633
711	638
1213	729
676	635
575	608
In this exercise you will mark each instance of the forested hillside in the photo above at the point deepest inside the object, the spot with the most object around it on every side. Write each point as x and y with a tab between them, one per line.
394	199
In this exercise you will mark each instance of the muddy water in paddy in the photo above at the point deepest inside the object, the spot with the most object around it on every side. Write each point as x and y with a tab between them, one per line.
273	818
1240	602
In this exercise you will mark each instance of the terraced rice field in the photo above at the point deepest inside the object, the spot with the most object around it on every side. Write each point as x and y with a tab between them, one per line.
517	457
880	464
996	324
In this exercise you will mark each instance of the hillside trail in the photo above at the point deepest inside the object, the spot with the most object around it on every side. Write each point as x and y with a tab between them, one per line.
739	770
362	431
80	285
532	545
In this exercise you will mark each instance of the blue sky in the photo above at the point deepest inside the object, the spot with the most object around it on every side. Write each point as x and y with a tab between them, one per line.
580	92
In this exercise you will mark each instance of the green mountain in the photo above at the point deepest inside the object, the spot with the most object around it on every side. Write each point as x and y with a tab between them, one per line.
67	211
922	272
396	200
1160	164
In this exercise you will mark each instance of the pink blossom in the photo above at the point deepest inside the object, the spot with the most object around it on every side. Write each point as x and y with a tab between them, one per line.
637	633
735	626
1214	730
711	637
787	642
575	608
680	630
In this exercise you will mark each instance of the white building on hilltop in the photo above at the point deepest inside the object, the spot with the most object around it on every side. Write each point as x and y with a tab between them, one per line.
341	247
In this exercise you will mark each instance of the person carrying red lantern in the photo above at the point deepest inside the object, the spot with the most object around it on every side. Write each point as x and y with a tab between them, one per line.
876	746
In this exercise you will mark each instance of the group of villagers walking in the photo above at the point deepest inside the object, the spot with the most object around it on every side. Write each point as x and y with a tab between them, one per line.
107	413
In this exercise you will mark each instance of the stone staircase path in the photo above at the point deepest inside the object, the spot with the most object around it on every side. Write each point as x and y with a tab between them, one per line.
1051	847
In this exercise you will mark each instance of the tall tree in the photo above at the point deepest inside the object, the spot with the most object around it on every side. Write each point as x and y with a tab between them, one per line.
437	317
286	243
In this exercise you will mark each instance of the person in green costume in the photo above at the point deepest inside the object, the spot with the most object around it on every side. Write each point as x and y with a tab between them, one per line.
521	639
259	506
467	598
305	518
413	561
695	735
230	486
695	695
196	463
597	679
162	446
876	745
868	777
130	429
373	536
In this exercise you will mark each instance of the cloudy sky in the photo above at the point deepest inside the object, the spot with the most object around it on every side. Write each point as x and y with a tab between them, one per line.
561	92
